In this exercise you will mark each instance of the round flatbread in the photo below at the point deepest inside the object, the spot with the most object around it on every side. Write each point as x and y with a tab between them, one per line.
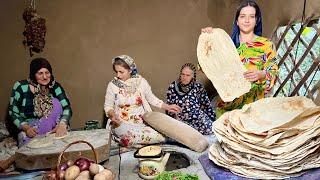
220	61
72	138
150	151
40	142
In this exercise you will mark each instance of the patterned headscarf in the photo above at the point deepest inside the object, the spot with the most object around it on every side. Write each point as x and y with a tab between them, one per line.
129	61
257	29
37	64
185	88
42	98
132	84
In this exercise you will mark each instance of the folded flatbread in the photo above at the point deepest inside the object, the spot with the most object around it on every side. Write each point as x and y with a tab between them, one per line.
272	138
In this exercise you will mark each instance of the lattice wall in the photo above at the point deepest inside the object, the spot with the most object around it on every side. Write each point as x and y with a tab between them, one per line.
298	48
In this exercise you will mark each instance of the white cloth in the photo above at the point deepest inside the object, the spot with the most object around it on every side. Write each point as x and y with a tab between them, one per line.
130	100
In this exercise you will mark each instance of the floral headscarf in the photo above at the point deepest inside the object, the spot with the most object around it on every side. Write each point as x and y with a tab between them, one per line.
185	88
42	98
129	61
131	84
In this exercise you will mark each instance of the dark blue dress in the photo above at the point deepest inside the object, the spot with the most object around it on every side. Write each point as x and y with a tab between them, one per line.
196	108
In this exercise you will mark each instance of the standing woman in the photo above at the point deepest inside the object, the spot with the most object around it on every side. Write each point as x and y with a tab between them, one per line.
39	104
256	53
127	98
196	110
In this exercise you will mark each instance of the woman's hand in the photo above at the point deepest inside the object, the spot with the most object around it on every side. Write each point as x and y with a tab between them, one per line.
171	108
254	75
30	131
114	119
207	30
60	129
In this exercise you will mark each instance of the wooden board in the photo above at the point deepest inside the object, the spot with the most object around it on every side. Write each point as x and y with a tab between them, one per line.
43	158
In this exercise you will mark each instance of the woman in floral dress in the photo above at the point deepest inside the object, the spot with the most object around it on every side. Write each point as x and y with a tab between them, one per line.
127	98
196	110
256	53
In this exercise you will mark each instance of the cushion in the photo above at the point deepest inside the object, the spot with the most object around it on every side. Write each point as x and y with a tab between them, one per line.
177	130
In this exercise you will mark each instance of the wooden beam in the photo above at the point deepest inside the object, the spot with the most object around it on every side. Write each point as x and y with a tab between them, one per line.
284	34
292	79
315	87
283	90
314	65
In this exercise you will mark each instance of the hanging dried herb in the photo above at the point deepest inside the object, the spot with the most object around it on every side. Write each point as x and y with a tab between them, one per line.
34	31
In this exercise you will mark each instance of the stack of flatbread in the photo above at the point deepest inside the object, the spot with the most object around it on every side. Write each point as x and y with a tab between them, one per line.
271	138
220	61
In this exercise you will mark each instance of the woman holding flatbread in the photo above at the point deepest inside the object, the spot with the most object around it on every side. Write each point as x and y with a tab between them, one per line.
196	110
256	53
39	104
128	97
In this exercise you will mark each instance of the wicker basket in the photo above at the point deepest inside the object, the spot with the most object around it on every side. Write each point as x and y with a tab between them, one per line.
57	170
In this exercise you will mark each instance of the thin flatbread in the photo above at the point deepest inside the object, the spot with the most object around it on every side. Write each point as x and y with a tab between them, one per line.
73	138
220	61
40	142
150	151
270	113
272	138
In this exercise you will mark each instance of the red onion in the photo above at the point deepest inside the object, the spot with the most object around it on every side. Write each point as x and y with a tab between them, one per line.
63	167
83	163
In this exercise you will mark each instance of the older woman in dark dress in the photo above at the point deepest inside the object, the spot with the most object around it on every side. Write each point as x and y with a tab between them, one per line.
193	99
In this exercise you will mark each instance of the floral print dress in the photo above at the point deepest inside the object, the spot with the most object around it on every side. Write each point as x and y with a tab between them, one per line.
132	130
257	55
196	108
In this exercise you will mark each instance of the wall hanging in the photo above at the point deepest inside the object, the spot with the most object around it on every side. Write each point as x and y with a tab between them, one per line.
34	30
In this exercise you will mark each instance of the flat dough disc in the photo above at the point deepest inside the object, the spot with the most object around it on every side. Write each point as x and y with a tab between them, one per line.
220	61
40	142
72	138
150	151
